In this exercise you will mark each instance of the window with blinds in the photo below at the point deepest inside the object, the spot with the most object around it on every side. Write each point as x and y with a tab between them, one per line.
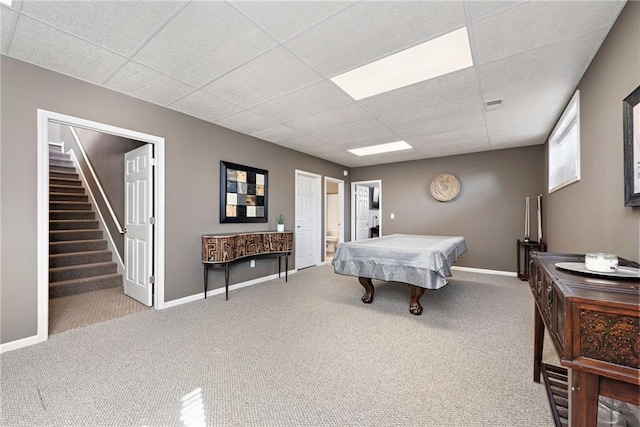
564	147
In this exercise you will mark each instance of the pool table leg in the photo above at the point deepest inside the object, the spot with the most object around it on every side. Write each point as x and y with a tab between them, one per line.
414	302
367	298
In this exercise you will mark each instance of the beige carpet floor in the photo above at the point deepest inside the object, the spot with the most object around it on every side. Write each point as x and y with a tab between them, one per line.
85	309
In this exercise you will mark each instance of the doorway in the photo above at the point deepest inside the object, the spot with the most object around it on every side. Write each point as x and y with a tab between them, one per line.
366	209
157	254
333	216
308	204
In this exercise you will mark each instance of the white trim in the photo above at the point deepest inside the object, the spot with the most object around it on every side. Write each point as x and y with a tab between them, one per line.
218	291
96	180
112	245
44	117
42	227
17	344
485	271
317	257
353	204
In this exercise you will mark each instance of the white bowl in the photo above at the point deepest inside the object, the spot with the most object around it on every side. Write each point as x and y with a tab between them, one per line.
600	262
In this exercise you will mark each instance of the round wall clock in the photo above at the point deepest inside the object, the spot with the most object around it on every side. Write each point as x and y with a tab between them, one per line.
445	187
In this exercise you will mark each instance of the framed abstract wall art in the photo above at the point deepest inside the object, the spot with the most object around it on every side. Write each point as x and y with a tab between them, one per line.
631	129
243	193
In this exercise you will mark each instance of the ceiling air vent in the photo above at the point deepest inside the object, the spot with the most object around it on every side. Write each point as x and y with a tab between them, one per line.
492	104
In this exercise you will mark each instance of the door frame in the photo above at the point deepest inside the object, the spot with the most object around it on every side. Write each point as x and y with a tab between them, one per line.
353	203
317	187
340	183
44	117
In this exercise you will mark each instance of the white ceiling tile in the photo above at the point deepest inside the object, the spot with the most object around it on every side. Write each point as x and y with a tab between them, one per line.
328	119
56	50
467	106
474	137
121	26
358	131
246	122
573	55
433	127
511	31
204	41
143	82
435	91
265	77
8	18
478	8
346	159
277	133
373	30
530	109
205	106
394	157
283	19
312	99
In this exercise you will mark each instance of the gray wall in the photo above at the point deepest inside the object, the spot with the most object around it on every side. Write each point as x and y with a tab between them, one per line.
590	215
488	212
194	149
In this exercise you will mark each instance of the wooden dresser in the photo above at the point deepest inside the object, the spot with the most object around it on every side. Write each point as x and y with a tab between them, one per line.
221	250
594	324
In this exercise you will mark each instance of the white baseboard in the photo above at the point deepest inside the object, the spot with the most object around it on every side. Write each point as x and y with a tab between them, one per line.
221	290
485	271
24	342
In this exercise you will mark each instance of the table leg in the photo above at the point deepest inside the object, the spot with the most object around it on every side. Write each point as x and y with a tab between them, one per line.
226	281
584	398
206	277
414	303
286	268
279	256
538	342
367	298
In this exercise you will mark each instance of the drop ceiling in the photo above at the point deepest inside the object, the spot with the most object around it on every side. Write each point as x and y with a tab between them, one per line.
264	68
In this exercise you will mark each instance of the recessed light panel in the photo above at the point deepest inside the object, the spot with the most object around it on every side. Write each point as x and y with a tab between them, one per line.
381	148
445	54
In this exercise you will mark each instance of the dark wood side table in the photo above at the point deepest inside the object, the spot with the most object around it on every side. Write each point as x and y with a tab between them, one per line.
523	254
221	250
594	324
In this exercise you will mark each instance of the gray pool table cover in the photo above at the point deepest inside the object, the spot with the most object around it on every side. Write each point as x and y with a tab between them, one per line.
423	261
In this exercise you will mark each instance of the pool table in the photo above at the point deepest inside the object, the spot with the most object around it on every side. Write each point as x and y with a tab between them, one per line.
422	262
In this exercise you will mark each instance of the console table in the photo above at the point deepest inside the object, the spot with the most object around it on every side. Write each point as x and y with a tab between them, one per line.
221	250
594	324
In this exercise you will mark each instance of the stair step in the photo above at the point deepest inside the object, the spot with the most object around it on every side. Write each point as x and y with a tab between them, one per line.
64	247
63	174
71	182
68	197
73	189
70	215
62	169
61	162
85	284
73	235
77	258
58	155
57	149
73	224
69	206
72	272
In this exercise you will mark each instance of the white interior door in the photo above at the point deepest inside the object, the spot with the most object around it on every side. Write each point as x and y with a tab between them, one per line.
362	212
138	239
307	221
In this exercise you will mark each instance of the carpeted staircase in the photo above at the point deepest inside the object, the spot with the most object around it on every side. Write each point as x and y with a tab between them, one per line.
78	257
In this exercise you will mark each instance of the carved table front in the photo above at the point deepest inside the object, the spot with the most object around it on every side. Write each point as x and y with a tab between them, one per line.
594	323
